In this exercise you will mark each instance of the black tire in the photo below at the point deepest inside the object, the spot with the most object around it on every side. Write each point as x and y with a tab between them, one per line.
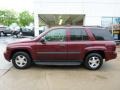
98	58
5	34
1	33
27	59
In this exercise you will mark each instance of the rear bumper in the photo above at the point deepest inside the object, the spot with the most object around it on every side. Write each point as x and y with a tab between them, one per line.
110	55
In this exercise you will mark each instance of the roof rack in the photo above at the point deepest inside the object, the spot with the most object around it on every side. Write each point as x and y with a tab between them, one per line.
93	26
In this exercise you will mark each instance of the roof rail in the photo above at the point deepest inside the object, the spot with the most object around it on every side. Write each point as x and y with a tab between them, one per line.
93	26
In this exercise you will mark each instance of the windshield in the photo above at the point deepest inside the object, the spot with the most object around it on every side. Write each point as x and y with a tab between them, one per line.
37	37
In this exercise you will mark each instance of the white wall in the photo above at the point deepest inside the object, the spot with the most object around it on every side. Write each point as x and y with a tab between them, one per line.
36	23
93	9
92	21
89	7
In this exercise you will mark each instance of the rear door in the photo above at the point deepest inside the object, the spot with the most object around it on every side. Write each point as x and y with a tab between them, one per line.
76	43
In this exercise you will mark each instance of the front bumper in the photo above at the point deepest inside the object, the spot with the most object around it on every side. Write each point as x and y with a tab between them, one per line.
7	56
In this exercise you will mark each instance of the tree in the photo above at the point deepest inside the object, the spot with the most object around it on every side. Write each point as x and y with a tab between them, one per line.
7	17
25	18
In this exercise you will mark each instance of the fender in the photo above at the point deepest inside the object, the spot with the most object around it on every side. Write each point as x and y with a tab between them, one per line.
27	48
92	48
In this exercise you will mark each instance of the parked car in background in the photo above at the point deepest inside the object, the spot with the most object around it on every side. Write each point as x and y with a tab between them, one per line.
64	46
13	29
7	31
2	28
27	32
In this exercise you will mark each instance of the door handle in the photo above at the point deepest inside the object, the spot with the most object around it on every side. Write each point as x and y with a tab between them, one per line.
62	45
88	45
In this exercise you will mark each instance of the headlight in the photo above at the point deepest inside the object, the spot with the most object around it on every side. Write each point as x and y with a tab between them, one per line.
7	48
3	47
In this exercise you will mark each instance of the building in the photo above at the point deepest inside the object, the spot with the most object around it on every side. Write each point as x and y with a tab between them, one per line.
77	12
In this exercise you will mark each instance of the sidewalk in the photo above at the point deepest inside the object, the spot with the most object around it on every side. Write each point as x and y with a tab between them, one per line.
4	65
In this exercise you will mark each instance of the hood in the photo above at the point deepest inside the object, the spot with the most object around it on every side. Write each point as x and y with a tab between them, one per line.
24	40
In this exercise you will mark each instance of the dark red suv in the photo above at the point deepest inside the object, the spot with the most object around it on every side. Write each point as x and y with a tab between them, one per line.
71	45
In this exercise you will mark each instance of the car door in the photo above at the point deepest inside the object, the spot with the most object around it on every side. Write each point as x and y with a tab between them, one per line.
76	44
55	46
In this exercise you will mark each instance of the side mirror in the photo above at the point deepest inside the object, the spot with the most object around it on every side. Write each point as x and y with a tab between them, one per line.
42	40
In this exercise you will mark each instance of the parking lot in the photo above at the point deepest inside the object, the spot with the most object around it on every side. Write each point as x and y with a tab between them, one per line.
57	77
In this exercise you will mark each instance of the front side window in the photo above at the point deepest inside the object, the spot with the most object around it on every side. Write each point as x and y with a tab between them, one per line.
78	34
56	35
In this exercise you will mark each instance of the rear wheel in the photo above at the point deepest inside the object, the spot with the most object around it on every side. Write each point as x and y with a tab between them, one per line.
93	61
21	60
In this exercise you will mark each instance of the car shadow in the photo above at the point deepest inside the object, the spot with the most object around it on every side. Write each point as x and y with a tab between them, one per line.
106	67
58	67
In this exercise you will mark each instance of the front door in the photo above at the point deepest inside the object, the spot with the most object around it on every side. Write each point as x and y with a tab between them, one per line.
55	46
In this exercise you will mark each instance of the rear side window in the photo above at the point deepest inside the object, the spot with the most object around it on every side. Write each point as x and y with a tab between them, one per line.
78	34
102	34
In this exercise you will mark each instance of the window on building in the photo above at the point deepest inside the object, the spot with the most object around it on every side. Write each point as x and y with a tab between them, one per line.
116	20
106	21
109	21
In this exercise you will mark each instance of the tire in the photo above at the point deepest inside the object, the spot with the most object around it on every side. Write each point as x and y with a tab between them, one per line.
5	34
21	60
1	34
19	34
93	61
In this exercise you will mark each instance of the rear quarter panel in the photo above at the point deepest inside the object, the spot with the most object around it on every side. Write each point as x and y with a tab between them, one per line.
92	46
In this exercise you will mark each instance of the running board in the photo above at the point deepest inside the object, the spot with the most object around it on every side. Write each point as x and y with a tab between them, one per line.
59	63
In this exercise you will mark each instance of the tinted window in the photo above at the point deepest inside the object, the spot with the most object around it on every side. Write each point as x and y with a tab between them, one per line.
56	35
78	34
102	34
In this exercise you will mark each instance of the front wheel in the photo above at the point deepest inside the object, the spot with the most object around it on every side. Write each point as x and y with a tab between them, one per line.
93	61
21	60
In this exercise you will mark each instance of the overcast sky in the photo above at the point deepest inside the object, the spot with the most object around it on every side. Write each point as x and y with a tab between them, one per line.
17	5
20	5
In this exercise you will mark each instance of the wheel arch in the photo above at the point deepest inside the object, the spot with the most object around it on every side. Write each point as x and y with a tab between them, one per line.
101	52
21	50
